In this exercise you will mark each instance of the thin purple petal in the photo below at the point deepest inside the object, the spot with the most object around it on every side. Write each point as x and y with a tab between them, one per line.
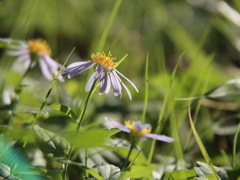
117	88
90	82
113	124
159	137
103	82
139	126
125	87
77	68
49	67
127	80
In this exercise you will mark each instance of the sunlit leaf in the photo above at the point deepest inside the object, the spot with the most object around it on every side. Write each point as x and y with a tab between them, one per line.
90	138
49	142
139	171
182	174
64	109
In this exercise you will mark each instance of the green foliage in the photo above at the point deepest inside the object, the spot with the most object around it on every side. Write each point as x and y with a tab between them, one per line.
90	138
64	109
49	142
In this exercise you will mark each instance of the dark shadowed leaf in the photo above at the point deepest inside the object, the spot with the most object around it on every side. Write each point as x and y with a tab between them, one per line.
49	142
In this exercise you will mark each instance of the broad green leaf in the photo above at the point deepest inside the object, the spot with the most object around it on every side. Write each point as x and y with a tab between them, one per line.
108	171
182	174
139	171
90	138
64	109
49	142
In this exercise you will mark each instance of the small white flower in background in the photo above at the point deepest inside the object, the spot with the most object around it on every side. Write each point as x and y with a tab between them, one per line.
104	72
34	51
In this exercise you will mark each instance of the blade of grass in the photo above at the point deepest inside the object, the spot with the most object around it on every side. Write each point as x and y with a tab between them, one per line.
146	91
169	104
235	147
46	97
200	144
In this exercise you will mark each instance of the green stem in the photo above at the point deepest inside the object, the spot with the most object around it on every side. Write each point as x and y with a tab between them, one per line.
46	98
146	92
235	146
125	164
80	118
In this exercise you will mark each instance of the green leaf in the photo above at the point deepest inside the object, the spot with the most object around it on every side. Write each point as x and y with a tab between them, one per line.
183	174
90	138
64	109
139	171
108	171
49	142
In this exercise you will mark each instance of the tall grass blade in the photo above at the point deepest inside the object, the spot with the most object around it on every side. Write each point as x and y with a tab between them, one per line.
200	143
146	91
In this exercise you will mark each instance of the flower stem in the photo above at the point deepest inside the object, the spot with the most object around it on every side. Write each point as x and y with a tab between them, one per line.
125	164
80	118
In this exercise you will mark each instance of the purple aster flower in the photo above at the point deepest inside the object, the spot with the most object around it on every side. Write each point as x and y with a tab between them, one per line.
137	129
104	73
39	50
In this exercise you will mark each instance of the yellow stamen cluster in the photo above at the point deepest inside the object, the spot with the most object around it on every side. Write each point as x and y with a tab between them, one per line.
106	60
38	46
134	131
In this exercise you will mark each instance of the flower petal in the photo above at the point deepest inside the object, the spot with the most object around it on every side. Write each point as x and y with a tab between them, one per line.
49	67
105	83
159	137
77	68
125	87
116	84
113	124
91	80
127	80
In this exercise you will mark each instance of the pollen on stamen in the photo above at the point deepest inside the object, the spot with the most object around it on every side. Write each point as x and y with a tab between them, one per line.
106	60
39	46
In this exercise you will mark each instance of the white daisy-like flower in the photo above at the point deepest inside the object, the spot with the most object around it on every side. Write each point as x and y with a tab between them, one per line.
104	72
33	52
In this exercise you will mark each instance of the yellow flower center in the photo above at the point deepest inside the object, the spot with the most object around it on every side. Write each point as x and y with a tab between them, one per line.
39	46
106	60
138	132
